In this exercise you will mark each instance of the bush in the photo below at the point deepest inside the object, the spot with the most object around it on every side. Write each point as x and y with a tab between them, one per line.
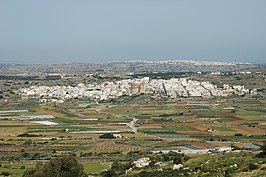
176	157
107	136
252	166
108	173
178	160
4	173
28	142
120	168
25	154
238	134
89	154
28	135
262	154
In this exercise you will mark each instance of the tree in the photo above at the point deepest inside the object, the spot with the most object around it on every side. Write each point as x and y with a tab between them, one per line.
65	166
70	167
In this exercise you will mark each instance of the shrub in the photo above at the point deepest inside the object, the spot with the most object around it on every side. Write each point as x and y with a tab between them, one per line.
252	166
107	136
4	173
238	134
108	173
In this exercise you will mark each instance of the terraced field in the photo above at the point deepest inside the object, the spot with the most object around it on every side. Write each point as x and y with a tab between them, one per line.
160	125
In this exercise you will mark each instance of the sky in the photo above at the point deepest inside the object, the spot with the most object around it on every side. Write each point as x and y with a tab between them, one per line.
59	31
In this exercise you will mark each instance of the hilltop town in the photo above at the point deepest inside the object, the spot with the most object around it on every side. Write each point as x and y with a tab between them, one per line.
172	88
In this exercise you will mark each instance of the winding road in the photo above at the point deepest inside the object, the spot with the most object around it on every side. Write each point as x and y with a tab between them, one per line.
132	125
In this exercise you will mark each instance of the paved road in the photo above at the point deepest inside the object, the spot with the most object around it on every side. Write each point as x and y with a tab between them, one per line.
132	125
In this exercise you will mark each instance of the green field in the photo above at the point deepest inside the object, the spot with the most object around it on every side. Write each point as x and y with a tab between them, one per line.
161	124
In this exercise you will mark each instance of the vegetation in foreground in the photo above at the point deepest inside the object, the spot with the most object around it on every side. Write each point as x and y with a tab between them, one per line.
161	165
65	166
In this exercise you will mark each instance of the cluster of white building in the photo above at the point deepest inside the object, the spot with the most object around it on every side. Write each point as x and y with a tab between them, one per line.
192	88
172	88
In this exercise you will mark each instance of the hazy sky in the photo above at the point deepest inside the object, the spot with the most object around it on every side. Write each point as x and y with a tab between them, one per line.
56	31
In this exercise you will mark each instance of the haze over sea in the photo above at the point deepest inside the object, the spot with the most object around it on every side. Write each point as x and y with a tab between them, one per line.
36	31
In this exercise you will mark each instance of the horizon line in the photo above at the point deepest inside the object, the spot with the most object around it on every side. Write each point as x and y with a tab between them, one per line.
128	61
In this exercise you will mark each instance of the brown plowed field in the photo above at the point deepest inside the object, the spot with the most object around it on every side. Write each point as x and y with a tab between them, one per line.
201	144
150	126
202	127
248	129
234	118
201	119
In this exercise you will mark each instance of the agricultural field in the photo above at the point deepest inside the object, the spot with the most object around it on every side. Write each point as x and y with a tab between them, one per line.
127	128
